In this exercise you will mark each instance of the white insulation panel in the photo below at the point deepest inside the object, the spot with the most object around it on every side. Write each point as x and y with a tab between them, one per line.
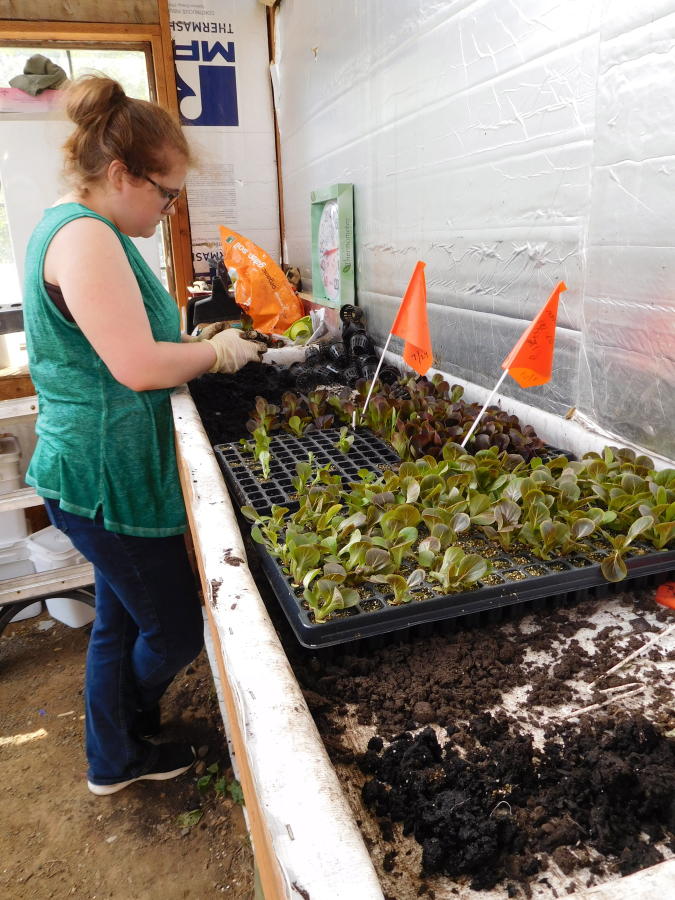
508	146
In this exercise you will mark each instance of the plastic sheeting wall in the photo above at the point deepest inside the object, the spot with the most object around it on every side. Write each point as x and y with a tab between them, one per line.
507	145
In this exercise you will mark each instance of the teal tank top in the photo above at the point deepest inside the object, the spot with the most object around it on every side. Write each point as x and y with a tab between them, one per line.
100	444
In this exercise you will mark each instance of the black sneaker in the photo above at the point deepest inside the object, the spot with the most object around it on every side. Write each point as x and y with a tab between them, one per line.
148	723
173	760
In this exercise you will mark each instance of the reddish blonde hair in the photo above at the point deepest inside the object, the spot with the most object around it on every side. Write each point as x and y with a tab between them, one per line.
112	126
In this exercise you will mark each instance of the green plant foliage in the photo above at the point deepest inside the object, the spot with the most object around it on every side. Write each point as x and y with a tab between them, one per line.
345	441
188	819
236	793
404	528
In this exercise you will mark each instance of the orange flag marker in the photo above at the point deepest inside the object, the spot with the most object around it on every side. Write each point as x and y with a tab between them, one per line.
531	361
665	595
412	324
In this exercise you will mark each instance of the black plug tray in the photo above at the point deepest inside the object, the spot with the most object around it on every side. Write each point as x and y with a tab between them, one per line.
244	475
521	581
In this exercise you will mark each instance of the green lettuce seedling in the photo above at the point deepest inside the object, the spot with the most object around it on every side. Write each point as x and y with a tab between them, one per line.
458	570
402	586
613	566
345	440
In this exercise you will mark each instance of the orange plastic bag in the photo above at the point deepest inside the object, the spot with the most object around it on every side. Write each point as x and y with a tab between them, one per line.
261	288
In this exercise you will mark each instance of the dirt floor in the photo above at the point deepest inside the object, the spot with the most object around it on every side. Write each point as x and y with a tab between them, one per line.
59	840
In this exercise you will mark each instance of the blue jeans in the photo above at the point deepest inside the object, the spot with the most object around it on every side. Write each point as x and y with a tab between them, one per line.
148	626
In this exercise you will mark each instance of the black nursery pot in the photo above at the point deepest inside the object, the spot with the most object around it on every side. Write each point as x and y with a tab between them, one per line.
368	372
335	371
313	356
325	374
349	313
350	329
337	353
360	344
363	361
277	375
389	375
302	377
351	375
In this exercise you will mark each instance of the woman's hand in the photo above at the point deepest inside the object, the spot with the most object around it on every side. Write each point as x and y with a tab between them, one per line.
233	352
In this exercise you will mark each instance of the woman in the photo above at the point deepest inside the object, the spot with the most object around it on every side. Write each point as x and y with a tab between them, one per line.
105	350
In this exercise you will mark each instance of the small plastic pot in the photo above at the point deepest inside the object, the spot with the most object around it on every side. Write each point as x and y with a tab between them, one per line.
370	360
389	375
351	375
349	313
368	372
360	344
277	374
337	353
323	374
302	377
336	371
351	328
313	356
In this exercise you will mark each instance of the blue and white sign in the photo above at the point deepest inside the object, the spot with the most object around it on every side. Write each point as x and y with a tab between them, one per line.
225	102
204	54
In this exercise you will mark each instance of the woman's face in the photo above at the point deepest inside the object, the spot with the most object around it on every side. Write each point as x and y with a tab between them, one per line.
139	206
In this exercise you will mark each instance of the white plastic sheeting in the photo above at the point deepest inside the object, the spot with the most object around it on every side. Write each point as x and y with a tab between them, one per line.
509	146
315	838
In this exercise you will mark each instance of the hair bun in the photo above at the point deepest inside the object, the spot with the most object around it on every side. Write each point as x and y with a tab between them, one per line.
92	98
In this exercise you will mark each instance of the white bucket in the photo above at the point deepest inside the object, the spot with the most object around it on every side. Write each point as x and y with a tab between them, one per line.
28	612
12	527
52	549
72	613
15	562
16	568
10	484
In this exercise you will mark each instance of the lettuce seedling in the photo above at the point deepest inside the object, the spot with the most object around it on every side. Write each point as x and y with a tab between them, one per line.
507	519
303	559
458	570
402	586
613	566
295	425
304	471
326	597
345	440
261	450
428	550
263	416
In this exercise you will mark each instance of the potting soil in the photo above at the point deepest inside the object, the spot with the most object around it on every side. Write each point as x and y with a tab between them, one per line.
225	401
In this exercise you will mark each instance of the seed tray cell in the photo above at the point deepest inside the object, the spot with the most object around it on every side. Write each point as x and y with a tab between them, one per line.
564	580
244	475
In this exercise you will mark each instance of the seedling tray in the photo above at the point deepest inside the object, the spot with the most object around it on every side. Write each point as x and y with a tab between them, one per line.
519	579
244	475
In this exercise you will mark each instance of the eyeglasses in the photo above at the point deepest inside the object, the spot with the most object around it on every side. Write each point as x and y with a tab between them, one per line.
172	196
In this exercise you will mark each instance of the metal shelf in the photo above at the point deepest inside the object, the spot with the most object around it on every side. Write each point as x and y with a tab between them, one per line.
45	584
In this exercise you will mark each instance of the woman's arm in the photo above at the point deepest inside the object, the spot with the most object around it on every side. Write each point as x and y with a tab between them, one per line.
86	259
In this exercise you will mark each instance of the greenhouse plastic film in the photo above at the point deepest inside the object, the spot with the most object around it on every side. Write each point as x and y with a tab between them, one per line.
508	146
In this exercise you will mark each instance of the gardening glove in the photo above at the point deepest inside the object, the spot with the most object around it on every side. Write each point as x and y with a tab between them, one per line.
208	331
232	352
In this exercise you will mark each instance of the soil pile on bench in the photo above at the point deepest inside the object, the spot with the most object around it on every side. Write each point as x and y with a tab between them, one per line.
608	785
451	677
224	402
